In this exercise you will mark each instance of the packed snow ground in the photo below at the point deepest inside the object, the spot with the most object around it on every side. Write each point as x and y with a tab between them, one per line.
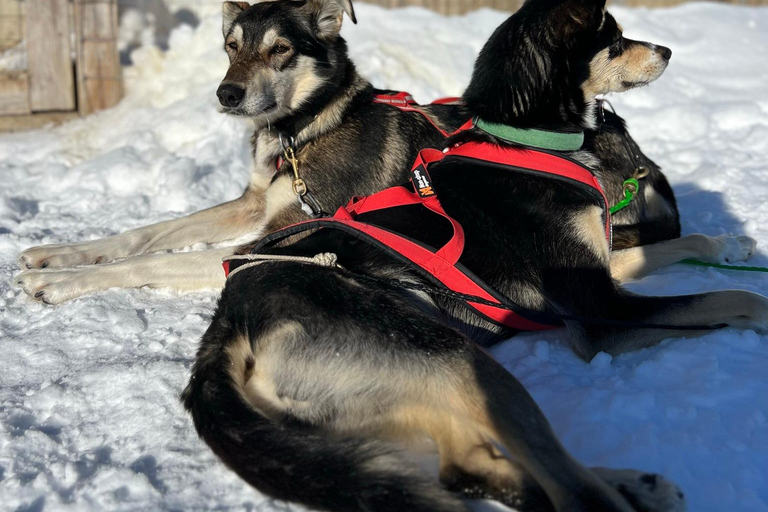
90	416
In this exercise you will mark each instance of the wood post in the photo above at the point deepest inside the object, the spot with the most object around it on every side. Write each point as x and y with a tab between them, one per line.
51	72
99	75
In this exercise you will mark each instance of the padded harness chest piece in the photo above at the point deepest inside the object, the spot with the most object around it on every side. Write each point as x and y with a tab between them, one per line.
440	265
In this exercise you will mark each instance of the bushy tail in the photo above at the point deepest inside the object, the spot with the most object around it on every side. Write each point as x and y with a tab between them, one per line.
339	475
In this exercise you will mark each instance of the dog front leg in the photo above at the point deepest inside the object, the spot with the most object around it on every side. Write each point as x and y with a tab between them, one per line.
640	261
221	223
181	272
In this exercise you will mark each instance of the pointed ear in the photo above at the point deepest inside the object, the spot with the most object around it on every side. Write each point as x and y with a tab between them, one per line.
230	12
329	15
576	16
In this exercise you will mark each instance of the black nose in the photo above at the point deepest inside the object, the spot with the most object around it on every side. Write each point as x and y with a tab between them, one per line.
230	95
665	52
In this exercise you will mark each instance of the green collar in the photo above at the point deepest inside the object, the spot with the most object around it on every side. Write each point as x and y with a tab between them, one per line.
539	139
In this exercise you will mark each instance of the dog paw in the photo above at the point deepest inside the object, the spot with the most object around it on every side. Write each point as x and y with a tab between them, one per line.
731	248
50	286
646	492
64	256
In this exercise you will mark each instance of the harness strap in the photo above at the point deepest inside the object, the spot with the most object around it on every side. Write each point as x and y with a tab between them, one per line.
432	265
539	161
405	102
441	265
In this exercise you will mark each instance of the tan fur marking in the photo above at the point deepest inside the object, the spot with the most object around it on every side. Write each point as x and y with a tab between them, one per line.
269	40
656	205
589	226
248	216
251	372
279	197
639	64
305	82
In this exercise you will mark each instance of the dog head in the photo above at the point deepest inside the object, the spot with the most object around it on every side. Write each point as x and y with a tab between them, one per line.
544	66
281	54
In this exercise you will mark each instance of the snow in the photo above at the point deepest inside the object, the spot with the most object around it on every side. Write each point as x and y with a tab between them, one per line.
90	416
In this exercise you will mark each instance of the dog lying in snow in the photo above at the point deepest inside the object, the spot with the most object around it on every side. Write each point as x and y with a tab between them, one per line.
290	73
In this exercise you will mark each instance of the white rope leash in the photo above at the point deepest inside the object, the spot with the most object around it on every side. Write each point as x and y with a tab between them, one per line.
325	259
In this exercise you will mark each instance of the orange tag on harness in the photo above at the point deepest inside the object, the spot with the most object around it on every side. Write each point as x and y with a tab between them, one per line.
421	182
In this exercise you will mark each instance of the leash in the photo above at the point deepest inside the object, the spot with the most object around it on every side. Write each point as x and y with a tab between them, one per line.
632	187
309	204
330	260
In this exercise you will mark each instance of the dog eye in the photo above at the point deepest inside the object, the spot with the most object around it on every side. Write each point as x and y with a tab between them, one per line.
280	49
232	45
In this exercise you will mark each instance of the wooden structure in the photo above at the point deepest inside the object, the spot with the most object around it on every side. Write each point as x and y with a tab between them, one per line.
57	56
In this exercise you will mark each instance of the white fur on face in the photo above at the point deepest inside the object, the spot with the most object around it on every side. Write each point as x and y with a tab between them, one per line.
269	39
306	82
237	35
637	66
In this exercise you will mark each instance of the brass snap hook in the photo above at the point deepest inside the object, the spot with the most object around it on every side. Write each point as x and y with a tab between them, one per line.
641	172
299	187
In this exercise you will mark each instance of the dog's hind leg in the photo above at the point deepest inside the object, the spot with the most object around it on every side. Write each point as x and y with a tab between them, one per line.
484	418
221	223
177	271
604	299
640	261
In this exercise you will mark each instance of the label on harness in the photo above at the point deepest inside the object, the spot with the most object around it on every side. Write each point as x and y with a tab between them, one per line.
422	182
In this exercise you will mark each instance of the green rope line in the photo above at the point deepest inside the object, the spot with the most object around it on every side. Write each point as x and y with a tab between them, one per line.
631	187
699	263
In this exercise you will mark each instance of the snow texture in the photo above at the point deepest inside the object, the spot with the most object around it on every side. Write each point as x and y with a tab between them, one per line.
90	417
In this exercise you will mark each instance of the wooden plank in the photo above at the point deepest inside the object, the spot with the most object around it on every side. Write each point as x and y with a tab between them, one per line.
14	93
23	123
11	23
99	75
51	72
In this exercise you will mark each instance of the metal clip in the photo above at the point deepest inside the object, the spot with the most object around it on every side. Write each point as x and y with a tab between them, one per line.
641	172
631	186
308	203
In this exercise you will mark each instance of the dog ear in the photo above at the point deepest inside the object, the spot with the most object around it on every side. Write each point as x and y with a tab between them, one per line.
349	9
576	16
230	12
329	15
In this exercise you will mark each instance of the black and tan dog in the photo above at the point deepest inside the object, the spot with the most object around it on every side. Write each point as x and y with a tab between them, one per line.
307	371
290	74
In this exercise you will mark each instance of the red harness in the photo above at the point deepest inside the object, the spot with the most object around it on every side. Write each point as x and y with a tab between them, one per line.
405	102
441	265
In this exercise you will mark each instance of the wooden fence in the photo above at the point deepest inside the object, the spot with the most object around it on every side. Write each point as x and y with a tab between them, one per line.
58	56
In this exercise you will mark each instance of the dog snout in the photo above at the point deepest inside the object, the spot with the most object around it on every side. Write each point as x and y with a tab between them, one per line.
230	95
664	52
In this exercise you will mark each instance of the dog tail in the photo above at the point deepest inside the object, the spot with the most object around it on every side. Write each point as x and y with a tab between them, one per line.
292	464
